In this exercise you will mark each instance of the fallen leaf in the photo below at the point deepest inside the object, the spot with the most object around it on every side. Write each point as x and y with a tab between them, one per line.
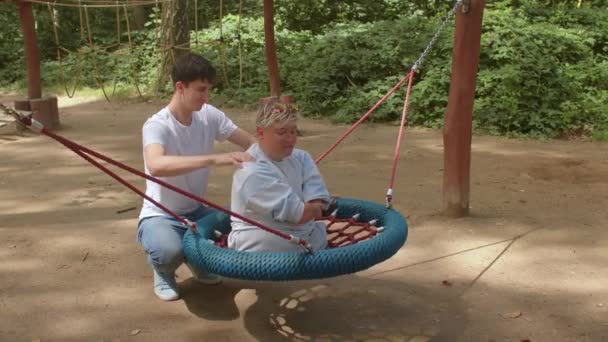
125	210
446	283
513	314
525	340
135	332
84	256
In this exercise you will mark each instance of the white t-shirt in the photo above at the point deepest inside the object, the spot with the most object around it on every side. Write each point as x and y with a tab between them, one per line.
208	124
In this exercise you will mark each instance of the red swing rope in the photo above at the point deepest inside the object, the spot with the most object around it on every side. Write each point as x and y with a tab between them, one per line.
409	78
406	102
340	232
343	236
363	118
85	153
76	149
350	232
339	236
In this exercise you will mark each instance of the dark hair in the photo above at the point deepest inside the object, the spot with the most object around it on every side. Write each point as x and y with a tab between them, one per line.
191	67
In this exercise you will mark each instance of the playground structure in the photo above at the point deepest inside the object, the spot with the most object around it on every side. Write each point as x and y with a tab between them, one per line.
563	202
512	271
458	121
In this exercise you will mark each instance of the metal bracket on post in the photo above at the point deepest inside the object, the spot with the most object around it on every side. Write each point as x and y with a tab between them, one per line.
466	6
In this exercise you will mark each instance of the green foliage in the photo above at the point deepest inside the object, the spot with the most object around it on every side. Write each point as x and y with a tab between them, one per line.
318	15
11	46
538	78
229	59
110	62
543	68
344	70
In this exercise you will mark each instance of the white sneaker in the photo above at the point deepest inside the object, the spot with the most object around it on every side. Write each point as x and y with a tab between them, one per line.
165	286
204	277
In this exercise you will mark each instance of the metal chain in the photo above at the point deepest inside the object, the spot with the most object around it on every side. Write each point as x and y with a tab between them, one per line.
431	44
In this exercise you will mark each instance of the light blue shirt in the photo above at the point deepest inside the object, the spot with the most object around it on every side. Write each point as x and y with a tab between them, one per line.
274	192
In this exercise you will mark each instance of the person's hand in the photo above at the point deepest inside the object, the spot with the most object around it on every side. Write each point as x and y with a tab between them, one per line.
318	209
327	207
312	211
233	158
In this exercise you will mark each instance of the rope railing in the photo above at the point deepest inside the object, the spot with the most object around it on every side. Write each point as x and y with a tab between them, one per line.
99	4
94	49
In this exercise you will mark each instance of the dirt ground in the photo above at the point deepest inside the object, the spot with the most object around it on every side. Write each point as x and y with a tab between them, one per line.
529	264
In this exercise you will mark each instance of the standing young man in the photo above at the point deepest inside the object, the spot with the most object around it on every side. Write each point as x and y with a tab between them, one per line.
178	148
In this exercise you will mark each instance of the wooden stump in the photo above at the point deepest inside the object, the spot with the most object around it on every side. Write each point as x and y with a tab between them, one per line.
45	110
54	111
21	104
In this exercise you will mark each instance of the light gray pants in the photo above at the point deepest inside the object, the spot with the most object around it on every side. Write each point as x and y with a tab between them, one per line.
258	240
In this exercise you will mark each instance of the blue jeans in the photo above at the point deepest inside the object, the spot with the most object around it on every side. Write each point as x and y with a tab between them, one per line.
161	239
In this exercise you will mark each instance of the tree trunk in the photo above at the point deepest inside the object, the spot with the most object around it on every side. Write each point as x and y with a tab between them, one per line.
139	17
32	53
271	54
175	36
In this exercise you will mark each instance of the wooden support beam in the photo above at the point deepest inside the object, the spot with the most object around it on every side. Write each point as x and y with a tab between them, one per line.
271	55
457	131
32	54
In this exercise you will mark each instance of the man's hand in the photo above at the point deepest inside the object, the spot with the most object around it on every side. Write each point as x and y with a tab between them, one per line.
233	158
161	165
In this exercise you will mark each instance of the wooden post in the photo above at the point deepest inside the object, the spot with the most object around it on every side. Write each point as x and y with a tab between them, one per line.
271	55
54	111
42	112
32	54
457	131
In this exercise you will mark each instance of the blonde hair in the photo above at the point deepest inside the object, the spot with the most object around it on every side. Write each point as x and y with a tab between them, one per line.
274	110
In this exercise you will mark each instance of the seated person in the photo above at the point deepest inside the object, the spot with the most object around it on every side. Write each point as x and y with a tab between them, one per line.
282	189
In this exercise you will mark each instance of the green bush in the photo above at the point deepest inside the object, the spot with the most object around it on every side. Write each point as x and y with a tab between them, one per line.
543	68
11	46
346	70
540	74
537	78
